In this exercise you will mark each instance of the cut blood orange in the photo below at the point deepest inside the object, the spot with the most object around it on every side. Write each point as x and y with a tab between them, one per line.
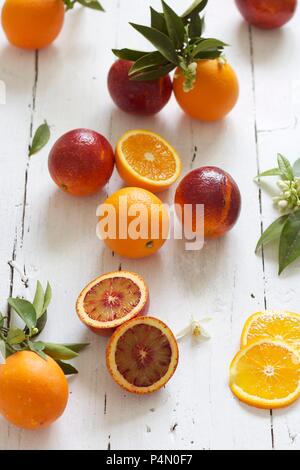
146	160
112	299
142	355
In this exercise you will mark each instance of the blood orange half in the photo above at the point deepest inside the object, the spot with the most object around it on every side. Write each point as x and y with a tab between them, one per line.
112	299
142	355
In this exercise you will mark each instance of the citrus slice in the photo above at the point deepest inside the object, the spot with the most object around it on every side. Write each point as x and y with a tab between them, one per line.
144	159
266	374
273	324
142	355
111	300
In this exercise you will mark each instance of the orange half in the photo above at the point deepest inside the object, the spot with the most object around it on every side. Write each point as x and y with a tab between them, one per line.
273	324
266	374
146	160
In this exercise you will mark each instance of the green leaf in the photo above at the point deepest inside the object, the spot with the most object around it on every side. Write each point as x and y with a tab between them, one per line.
285	168
175	26
59	351
159	40
128	54
2	349
2	320
158	21
15	336
38	347
296	168
272	233
196	7
76	347
150	60
67	369
289	247
154	74
208	55
196	26
208	45
40	325
94	4
47	298
38	301
25	310
40	139
272	172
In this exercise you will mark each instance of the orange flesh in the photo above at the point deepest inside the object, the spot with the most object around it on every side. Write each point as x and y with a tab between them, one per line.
280	327
149	157
143	355
111	299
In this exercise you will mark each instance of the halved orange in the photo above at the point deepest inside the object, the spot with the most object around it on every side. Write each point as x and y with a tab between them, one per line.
142	355
266	374
112	299
273	324
146	160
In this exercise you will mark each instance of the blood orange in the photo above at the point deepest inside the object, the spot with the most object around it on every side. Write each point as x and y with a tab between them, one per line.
111	300
142	355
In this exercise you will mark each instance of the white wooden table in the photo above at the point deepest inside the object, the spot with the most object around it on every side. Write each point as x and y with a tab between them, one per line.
52	236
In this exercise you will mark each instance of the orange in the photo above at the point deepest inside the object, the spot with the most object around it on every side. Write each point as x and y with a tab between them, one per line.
33	391
266	374
273	324
146	160
142	355
133	222
111	300
32	24
214	94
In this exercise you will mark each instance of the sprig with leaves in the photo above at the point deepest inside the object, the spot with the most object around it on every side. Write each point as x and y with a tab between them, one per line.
34	315
286	228
93	4
178	41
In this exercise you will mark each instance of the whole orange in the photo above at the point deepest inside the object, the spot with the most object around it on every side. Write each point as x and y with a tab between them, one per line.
33	391
214	94
133	222
32	24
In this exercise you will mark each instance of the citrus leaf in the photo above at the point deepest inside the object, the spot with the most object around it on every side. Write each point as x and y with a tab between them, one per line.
47	298
40	139
196	26
67	369
38	347
25	310
38	301
2	320
289	247
196	7
59	351
296	168
2	349
208	55
152	59
76	347
159	40
154	74
285	168
207	45
94	4
273	232
158	21
15	336
128	54
175	26
272	172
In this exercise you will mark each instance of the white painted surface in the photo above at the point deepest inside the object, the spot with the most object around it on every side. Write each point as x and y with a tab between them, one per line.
53	235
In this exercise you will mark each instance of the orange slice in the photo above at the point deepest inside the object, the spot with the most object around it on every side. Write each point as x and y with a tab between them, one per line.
273	324
112	299
266	374
144	159
142	355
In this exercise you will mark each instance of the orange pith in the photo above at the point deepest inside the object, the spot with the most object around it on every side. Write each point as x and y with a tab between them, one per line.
279	325
266	374
112	299
142	355
146	160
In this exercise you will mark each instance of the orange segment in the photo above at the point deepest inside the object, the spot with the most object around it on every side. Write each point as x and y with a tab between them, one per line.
266	374
146	160
278	325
